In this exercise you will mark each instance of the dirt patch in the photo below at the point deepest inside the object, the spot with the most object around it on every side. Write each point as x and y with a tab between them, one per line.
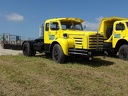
9	51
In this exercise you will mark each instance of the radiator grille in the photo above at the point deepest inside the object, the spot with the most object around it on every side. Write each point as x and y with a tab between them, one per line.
95	41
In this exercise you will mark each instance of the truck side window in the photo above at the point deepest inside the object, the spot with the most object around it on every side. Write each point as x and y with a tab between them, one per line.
47	27
127	24
120	26
54	26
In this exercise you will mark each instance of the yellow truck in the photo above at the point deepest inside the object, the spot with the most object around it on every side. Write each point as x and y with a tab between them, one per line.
115	32
64	37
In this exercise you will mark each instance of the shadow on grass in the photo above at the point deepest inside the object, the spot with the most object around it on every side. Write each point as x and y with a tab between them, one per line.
96	62
114	56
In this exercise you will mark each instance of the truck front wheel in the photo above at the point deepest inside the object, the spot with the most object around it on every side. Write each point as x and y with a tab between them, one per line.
57	54
123	52
27	50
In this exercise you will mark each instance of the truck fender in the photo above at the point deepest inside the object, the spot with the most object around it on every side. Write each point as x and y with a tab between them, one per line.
65	44
31	43
120	43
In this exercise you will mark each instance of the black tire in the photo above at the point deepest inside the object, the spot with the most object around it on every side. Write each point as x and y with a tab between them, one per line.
57	54
109	31
123	52
27	50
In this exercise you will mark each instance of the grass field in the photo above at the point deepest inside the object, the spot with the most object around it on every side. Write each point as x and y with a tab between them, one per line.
40	76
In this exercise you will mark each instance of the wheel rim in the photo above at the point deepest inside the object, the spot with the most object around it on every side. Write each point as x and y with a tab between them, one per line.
56	54
123	54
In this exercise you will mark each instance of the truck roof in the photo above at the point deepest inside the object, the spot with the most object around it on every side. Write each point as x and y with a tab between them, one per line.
66	19
109	21
114	18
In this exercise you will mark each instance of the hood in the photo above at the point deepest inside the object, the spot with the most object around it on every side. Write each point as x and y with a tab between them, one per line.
80	32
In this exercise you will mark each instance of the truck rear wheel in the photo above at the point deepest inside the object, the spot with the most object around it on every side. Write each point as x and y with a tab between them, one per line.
57	54
123	52
27	50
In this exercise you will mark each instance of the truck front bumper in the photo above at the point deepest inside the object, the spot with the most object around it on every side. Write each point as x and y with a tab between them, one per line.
86	52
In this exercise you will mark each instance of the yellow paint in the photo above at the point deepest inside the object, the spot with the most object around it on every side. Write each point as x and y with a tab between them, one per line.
117	35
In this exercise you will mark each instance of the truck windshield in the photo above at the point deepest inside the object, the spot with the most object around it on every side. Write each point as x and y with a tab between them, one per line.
71	25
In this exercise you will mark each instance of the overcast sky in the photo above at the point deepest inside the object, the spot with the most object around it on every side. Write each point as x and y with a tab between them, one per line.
23	17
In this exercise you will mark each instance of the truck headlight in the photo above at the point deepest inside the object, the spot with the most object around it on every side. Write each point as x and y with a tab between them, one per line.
65	35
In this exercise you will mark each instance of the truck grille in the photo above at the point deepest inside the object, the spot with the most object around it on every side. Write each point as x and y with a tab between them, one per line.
78	42
96	42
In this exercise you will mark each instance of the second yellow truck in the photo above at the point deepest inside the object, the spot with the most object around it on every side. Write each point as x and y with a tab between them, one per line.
115	32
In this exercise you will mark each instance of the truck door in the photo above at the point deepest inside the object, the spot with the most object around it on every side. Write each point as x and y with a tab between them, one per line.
51	32
119	32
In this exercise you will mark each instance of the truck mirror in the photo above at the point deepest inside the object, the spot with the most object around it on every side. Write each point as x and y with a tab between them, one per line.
84	26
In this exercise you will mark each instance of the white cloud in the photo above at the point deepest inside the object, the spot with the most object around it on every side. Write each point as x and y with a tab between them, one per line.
99	18
14	17
93	25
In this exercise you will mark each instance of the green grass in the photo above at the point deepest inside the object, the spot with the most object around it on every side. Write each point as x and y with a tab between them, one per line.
40	76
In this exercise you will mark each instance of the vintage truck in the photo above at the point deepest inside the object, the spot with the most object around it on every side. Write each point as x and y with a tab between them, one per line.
64	37
115	33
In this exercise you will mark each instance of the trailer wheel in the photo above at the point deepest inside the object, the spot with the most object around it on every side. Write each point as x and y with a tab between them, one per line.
27	50
57	54
123	52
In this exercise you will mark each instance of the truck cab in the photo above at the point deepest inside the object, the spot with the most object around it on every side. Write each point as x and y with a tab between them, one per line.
65	37
115	32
